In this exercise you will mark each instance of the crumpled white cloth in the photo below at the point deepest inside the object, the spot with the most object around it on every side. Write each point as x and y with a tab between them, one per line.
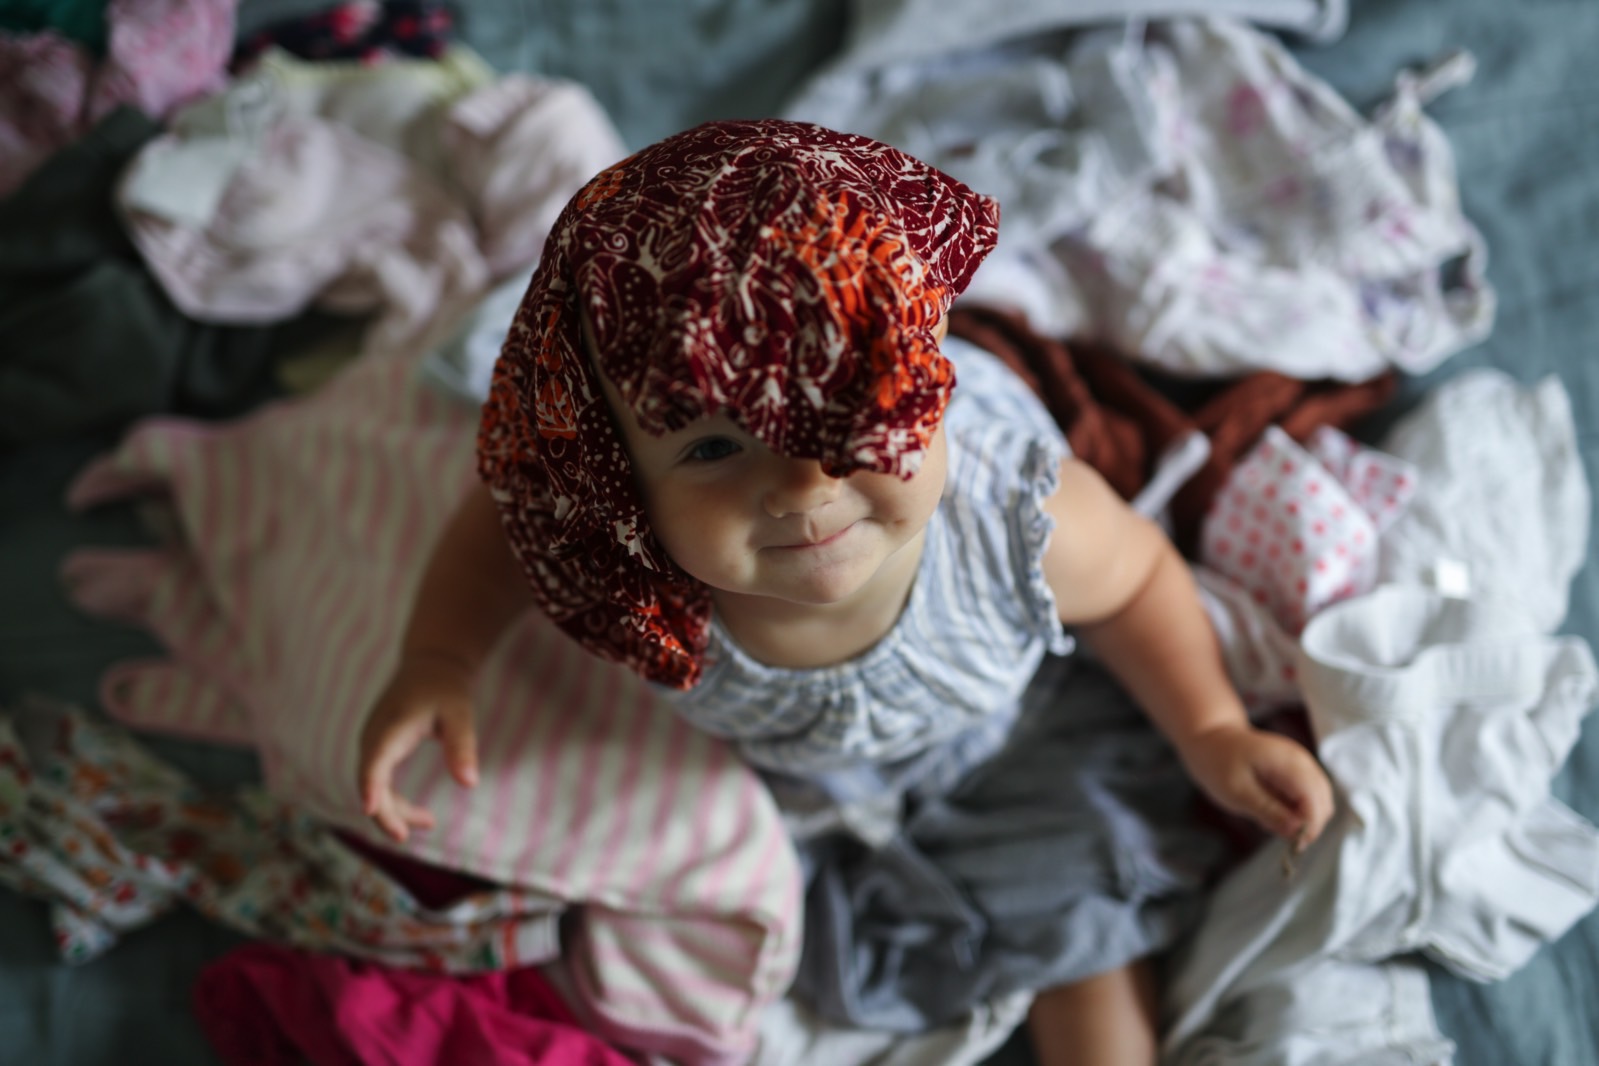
400	103
1504	503
1292	234
886	32
792	1035
1441	723
314	214
1054	132
1194	195
403	194
1333	1013
516	151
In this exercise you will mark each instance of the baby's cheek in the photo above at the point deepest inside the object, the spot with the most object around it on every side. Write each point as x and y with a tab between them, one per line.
700	537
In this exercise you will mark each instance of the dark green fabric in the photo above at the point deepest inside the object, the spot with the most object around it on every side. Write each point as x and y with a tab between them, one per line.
88	338
78	20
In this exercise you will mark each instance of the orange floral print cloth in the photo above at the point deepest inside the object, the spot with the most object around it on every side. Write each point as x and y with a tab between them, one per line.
112	838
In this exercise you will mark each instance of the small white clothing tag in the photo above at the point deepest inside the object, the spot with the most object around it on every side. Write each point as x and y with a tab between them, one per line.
1452	578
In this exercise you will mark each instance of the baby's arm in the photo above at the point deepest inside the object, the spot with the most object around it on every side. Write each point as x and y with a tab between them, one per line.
1121	583
472	590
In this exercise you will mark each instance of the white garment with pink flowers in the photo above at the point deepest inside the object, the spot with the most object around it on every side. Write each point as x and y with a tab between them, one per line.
1298	528
1188	191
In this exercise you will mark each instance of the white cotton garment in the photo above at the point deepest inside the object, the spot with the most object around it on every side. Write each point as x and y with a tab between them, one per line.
793	1035
1441	723
257	206
1210	206
517	150
1055	133
882	32
314	214
1332	1013
1504	503
1292	233
400	103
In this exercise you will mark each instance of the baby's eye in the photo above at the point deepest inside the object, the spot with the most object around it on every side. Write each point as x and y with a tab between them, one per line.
711	449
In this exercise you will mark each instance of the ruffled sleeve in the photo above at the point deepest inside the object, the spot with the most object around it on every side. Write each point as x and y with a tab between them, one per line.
1007	455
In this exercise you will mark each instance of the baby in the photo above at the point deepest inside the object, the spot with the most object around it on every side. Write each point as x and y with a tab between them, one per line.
725	446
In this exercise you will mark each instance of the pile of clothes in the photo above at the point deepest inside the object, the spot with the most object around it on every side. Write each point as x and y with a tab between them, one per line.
188	214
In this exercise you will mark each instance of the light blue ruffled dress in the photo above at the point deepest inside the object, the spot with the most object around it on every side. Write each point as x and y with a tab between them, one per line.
980	810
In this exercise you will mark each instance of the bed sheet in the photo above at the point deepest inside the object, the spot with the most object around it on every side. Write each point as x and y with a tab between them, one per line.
1526	136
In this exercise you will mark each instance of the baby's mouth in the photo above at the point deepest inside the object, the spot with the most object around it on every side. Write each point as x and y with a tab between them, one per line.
819	541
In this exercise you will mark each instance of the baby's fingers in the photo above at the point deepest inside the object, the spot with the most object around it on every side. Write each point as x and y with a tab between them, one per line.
1253	797
383	748
1302	791
397	816
459	740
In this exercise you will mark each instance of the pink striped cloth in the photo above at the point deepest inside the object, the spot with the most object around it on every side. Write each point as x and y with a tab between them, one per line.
299	536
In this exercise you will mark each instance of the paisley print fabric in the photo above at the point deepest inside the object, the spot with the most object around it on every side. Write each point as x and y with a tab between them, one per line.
781	273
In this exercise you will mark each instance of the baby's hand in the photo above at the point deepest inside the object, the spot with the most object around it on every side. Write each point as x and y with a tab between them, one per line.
428	696
1263	776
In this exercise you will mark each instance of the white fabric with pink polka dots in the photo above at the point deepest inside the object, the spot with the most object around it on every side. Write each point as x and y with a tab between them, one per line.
1297	527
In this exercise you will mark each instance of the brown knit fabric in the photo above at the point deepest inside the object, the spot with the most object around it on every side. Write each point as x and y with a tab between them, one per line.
1110	440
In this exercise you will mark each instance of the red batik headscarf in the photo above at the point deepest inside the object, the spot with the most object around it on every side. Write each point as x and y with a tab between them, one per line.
779	272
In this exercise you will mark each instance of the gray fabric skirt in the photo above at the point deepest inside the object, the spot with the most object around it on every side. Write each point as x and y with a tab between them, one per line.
1077	848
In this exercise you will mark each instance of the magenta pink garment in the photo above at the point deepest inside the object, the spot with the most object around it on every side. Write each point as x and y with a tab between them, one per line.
269	1005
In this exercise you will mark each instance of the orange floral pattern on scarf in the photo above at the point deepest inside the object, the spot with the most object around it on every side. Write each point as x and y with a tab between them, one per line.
787	275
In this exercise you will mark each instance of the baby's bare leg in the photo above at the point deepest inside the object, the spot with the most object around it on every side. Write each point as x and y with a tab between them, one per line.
1107	1020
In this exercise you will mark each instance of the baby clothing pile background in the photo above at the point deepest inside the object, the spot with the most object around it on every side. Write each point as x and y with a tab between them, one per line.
254	262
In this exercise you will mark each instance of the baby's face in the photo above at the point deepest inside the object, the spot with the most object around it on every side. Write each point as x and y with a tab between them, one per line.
750	522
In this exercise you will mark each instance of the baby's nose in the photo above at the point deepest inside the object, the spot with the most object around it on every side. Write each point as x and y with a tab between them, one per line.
798	486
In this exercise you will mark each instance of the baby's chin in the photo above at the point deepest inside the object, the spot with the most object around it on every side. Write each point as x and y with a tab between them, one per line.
820	594
824	586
